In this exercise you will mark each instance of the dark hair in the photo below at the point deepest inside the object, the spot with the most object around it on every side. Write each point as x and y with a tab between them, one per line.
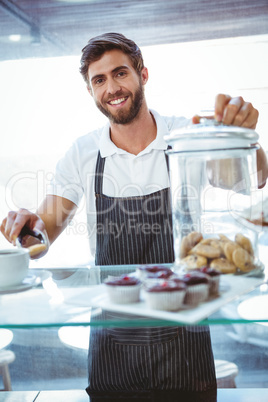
98	45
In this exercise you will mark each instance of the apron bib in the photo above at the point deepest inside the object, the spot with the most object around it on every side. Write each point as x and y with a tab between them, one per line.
142	360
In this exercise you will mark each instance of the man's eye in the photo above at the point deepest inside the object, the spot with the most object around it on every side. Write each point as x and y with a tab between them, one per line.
121	73
99	81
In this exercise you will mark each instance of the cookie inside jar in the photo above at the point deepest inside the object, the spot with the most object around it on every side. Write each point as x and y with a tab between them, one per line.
220	252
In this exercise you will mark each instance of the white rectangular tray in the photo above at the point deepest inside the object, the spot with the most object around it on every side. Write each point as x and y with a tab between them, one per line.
231	287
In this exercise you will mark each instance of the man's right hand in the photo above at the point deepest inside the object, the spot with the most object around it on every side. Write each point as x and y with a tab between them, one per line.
51	218
11	226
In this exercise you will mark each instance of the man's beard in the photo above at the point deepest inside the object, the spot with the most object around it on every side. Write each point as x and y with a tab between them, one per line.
125	116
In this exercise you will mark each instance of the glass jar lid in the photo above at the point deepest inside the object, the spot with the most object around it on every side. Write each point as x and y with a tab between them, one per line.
210	135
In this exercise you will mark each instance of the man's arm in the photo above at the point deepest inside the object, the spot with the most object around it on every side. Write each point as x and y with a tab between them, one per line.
262	167
51	218
56	213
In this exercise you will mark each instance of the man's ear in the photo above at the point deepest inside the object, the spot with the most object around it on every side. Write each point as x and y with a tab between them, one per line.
89	90
144	75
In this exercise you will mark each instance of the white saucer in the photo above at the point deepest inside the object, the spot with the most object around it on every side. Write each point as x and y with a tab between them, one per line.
33	279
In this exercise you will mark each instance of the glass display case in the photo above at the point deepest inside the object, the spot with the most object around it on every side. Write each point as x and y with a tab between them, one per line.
50	320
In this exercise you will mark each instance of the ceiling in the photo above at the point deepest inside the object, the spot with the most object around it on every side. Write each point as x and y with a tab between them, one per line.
62	27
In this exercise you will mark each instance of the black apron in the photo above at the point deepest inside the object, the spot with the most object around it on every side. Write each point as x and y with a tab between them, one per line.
147	361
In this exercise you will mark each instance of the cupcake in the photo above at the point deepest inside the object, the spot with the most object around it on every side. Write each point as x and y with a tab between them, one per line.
124	289
214	282
154	271
165	295
197	287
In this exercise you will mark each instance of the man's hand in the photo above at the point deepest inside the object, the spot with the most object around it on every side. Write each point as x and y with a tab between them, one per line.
11	226
235	111
51	219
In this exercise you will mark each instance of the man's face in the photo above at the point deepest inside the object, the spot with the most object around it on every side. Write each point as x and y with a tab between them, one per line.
116	87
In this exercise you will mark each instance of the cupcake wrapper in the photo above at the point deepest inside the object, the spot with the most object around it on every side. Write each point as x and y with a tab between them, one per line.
124	294
196	294
214	284
168	301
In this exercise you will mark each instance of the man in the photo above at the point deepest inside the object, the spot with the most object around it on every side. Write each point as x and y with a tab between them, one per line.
122	170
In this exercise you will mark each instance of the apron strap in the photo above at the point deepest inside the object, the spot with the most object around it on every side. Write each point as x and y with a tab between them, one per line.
99	174
167	159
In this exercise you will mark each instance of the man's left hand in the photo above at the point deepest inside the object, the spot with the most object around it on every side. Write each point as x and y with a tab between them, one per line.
235	111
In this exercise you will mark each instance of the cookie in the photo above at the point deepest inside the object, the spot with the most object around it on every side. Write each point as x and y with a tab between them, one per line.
214	242
207	241
218	244
194	261
228	248
223	265
223	238
206	250
243	260
184	247
244	242
194	238
188	242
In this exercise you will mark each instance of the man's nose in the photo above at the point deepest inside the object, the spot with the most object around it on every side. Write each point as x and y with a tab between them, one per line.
112	86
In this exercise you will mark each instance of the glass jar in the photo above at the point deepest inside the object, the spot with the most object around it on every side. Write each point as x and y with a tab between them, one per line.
213	176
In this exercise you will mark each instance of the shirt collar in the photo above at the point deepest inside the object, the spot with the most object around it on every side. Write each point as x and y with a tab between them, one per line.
108	148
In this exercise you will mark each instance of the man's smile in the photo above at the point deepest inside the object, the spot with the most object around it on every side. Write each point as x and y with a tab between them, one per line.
117	101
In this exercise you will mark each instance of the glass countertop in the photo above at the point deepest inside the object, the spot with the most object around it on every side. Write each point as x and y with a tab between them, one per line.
56	297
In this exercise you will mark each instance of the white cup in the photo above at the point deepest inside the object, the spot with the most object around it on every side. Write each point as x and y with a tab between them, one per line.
14	266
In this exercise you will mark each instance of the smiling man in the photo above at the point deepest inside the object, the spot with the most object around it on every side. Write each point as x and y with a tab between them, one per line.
118	91
122	170
109	89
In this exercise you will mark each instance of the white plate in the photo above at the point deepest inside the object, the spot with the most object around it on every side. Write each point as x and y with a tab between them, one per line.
231	286
33	279
254	308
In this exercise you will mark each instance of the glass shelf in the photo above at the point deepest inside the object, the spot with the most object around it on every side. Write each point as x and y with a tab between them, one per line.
65	298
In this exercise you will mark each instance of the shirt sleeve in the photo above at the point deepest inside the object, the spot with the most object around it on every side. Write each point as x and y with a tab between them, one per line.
178	122
67	181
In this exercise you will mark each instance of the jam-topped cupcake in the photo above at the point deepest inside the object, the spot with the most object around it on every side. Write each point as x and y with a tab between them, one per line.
197	287
124	289
157	271
214	282
165	295
159	275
